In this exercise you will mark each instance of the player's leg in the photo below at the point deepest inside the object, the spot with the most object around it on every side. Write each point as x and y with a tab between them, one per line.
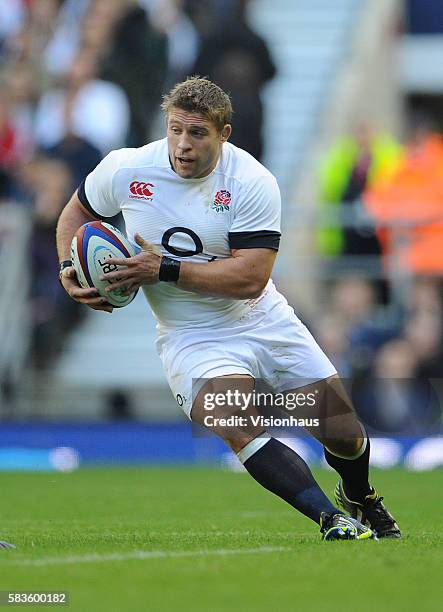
196	355
272	464
347	448
294	355
346	445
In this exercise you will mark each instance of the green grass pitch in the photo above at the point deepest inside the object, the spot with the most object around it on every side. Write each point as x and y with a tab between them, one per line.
195	540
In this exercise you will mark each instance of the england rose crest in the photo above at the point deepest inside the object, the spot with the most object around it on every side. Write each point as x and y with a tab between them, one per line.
222	201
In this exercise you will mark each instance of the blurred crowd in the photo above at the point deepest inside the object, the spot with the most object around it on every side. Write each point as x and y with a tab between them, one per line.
397	188
390	358
386	336
79	78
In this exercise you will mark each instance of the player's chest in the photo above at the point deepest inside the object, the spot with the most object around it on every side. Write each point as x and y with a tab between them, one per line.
182	217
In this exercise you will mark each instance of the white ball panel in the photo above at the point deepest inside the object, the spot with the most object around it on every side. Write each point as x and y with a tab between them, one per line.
100	253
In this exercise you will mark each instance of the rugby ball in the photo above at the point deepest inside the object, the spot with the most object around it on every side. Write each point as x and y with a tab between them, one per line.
93	247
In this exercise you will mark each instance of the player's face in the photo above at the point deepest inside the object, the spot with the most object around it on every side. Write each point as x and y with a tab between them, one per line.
194	143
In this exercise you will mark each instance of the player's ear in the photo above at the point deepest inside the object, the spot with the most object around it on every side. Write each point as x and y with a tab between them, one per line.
226	132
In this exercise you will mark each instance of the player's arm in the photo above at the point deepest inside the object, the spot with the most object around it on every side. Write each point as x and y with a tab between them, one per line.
242	276
96	188
72	217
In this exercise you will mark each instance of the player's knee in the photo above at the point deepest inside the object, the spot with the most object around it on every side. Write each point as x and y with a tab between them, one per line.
345	447
236	444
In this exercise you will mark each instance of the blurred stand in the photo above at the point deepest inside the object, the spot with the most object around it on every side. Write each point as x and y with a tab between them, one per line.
183	39
87	106
238	59
136	60
15	326
80	156
354	162
361	253
53	314
393	400
406	204
118	406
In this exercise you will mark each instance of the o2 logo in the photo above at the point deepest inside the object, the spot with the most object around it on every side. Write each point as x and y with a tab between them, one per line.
198	245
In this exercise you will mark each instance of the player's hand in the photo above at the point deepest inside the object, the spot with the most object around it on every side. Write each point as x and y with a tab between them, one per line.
89	297
142	269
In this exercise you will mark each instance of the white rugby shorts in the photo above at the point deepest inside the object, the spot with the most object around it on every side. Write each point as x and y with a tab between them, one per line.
269	342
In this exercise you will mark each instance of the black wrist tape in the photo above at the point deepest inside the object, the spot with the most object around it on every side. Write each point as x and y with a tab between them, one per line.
67	263
169	270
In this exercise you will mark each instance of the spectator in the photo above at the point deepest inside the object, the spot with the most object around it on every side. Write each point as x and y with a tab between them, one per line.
90	108
353	163
425	296
205	14
169	17
12	17
99	26
9	146
359	326
407	207
425	333
137	61
29	44
80	156
393	400
354	299
238	60
11	151
330	331
119	406
22	90
53	314
64	45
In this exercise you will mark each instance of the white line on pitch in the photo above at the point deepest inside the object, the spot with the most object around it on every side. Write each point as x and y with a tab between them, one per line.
149	554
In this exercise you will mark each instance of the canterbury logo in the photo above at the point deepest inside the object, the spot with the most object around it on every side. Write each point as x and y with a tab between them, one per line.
141	190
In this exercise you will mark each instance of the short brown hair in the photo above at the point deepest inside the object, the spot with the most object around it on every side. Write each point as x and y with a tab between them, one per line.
200	95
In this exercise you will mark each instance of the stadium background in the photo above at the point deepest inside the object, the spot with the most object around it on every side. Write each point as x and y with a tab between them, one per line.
341	100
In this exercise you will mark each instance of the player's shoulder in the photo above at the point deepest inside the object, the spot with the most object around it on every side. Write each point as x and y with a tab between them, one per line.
153	154
242	166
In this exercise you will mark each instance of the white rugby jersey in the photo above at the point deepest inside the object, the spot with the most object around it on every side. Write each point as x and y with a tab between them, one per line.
199	220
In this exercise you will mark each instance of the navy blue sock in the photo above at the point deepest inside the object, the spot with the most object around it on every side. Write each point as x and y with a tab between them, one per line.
280	470
354	473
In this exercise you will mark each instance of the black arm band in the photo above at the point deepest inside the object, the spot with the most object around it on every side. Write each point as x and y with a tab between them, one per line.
67	263
169	270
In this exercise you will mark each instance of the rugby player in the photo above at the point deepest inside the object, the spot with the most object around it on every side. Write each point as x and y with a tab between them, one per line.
206	218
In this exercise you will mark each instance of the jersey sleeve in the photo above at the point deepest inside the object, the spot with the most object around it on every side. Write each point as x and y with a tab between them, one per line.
96	192
256	220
